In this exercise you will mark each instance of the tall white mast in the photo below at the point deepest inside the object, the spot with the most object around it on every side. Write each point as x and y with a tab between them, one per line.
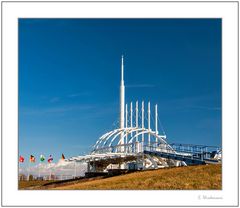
149	112
126	115
156	121
126	121
142	120
122	97
136	119
131	115
122	102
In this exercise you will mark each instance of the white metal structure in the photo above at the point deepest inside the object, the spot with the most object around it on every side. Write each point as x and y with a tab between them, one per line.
122	101
133	135
128	142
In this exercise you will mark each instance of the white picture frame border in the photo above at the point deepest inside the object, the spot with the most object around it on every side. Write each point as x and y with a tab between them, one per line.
12	11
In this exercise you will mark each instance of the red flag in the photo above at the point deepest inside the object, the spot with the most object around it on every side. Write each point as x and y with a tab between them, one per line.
50	159
21	159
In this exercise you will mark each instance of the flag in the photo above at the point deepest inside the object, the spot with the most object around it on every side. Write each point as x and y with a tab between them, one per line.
21	159
42	158
63	157
32	158
50	159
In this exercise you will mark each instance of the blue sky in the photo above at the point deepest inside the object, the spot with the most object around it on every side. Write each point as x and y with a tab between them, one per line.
69	76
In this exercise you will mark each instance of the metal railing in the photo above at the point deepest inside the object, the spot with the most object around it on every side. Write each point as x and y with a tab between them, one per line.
201	152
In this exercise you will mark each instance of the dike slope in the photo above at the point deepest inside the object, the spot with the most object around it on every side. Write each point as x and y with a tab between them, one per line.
202	177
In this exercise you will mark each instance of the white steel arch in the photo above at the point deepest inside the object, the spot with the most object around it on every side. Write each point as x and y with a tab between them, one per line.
108	139
108	136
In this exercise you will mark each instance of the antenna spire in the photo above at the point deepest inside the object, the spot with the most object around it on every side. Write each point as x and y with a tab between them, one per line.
122	98
122	70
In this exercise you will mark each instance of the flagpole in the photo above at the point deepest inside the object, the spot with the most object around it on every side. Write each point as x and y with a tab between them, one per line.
50	172
39	171
50	160
75	169
28	170
19	166
61	175
61	167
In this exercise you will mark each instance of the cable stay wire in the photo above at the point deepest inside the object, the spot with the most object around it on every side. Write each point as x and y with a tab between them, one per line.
161	126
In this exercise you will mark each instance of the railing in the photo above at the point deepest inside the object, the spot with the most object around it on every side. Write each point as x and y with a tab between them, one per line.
201	152
47	177
123	148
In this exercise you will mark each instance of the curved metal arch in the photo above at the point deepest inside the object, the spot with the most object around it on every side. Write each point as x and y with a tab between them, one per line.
129	131
153	133
100	138
102	141
103	137
118	130
132	129
109	134
115	136
137	130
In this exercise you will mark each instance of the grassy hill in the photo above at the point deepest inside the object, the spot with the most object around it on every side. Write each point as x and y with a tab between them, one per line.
31	184
202	177
190	177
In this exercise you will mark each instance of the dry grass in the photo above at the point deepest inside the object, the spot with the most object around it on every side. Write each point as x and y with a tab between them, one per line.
202	177
31	184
